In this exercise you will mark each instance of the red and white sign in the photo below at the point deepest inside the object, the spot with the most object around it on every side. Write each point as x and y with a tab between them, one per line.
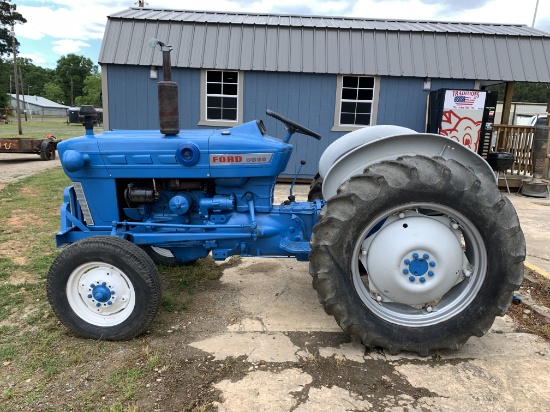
464	99
243	158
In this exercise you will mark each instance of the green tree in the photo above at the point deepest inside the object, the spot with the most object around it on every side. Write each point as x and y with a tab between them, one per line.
92	91
9	17
34	76
525	92
53	91
71	71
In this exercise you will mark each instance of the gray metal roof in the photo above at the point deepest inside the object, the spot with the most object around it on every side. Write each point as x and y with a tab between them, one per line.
38	101
315	44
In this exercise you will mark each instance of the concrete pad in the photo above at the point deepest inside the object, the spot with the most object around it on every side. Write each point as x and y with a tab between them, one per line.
262	391
269	347
353	351
279	297
333	399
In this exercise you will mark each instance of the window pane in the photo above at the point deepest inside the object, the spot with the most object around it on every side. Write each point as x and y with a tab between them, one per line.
362	119
230	77
213	114
229	103
349	94
230	114
348	107
364	94
230	89
349	81
213	101
346	118
366	82
214	88
363	108
213	76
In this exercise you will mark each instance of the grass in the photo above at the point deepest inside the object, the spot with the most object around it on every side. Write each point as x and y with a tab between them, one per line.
38	127
42	366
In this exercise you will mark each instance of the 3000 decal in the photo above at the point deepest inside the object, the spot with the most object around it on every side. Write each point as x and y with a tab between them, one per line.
244	158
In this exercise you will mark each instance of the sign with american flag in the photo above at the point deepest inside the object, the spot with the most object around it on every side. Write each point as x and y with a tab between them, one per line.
464	99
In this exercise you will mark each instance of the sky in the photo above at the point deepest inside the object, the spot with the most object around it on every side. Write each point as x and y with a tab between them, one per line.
56	28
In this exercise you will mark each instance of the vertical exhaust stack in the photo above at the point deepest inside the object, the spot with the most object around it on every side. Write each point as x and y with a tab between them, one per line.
168	93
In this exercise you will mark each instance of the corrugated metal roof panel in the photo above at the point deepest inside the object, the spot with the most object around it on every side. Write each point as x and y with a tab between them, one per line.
241	41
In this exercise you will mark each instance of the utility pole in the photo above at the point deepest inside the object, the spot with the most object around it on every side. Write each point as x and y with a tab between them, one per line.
23	94
535	14
72	101
18	111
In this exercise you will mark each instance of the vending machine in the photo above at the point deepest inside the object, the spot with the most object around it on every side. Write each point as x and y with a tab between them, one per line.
466	116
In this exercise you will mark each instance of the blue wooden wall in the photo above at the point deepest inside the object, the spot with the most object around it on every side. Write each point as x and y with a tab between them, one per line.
303	97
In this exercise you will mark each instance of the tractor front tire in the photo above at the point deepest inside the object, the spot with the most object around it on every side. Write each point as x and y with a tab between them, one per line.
104	287
417	254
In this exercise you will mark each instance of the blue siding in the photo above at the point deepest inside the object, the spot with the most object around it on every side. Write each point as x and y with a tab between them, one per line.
402	100
306	98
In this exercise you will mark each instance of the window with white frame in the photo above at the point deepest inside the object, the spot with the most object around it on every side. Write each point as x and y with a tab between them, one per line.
222	96
356	102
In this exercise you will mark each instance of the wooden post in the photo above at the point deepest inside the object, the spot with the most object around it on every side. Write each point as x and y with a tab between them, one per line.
507	105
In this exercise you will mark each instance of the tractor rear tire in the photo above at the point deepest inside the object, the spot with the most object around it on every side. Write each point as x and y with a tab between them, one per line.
315	189
386	243
104	287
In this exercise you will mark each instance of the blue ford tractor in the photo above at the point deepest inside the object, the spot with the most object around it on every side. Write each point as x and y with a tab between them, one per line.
410	244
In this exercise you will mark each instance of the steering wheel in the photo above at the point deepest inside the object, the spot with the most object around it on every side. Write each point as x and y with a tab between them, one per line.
293	127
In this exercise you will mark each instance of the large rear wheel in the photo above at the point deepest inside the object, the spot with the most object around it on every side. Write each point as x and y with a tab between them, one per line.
417	254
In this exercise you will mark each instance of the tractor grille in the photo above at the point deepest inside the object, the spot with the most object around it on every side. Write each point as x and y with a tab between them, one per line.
83	203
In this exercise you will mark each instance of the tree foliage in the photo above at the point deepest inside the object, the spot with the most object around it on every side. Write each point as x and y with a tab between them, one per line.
9	16
71	72
91	91
53	92
525	92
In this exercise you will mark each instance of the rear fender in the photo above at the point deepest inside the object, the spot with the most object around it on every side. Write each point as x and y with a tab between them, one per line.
390	148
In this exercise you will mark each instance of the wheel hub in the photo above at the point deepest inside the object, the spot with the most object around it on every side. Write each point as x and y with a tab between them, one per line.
414	260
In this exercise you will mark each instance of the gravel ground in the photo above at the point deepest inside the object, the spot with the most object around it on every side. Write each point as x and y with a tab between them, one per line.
16	166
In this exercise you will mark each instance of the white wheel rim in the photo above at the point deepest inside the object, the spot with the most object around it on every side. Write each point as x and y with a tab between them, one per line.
451	300
100	294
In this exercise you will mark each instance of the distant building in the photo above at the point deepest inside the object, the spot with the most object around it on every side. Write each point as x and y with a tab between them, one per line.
40	106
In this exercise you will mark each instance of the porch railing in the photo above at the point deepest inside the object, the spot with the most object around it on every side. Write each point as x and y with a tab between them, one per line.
517	140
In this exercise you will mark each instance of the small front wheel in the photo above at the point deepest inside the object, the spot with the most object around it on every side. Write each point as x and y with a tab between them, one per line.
47	150
104	287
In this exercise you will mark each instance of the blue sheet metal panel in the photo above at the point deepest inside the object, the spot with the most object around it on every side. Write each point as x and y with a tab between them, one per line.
258	54
184	49
197	49
455	56
381	53
320	51
332	51
357	59
271	48
542	59
394	54
503	59
210	46
405	53
235	49
402	100
516	59
528	59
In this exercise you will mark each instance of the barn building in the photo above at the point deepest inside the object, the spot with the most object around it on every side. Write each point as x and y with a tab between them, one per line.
330	74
